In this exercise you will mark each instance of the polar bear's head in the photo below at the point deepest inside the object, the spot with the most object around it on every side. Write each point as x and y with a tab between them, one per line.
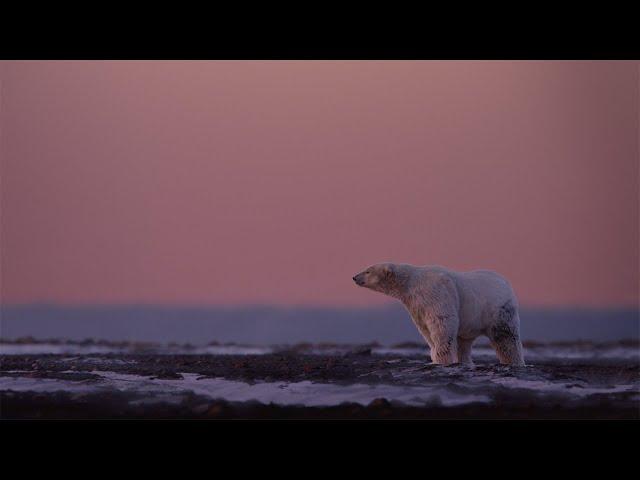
381	277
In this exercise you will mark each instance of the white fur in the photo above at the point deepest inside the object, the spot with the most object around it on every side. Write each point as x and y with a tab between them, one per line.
451	309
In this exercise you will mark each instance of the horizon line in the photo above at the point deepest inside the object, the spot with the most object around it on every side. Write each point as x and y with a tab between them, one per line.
284	306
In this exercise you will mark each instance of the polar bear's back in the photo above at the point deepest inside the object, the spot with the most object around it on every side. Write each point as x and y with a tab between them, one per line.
489	285
482	294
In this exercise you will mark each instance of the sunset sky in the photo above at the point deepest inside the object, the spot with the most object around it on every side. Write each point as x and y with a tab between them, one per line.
274	182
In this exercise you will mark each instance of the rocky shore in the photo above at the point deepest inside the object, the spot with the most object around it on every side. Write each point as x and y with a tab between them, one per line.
288	384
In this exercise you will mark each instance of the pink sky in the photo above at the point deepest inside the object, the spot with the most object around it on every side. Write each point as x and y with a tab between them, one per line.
275	182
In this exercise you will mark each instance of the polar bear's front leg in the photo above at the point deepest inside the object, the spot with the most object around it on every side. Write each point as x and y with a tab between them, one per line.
434	310
445	350
443	329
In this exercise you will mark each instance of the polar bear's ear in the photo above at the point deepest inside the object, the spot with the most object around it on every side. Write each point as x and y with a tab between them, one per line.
389	270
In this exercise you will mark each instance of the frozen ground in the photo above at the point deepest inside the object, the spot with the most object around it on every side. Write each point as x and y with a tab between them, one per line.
586	350
102	380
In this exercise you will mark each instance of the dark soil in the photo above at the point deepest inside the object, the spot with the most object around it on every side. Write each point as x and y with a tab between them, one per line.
356	367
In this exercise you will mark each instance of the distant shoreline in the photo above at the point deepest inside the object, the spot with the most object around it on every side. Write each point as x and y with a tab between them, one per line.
269	325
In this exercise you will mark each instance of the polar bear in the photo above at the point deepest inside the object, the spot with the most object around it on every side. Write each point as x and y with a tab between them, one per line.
451	309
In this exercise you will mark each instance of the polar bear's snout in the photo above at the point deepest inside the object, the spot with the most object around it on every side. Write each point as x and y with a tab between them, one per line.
359	279
372	277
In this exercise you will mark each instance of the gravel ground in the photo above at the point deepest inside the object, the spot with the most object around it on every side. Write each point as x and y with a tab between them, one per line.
353	385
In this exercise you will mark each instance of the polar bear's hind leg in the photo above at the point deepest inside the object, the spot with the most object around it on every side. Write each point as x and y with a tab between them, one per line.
505	336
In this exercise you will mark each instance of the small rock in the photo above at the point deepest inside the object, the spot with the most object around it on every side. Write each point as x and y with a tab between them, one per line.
359	351
168	375
380	403
215	410
200	409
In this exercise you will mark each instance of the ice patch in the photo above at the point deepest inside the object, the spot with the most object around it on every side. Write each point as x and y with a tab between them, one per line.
282	393
432	385
74	349
482	350
56	349
232	350
572	388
